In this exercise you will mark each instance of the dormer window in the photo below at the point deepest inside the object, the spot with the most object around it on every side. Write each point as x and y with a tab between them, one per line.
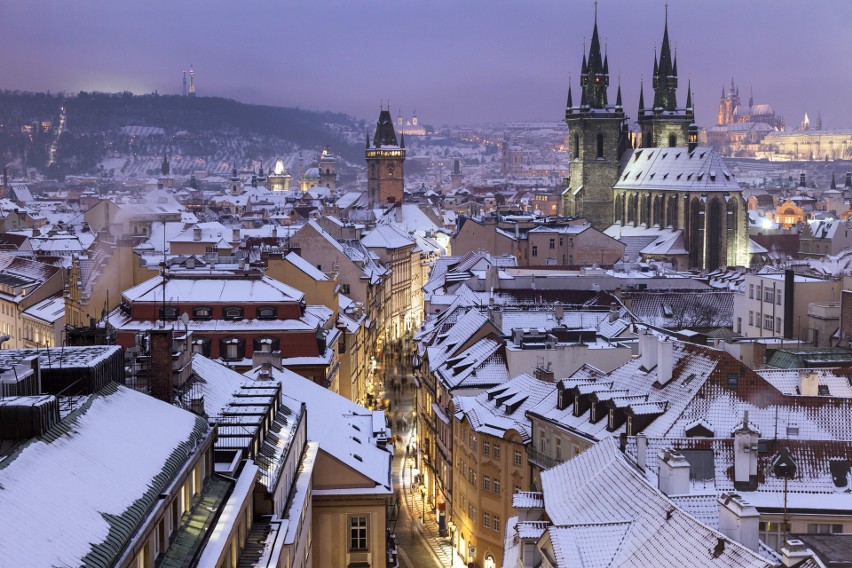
267	312
202	313
168	313
232	313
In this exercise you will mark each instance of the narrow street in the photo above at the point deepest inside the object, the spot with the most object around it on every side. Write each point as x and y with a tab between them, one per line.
416	531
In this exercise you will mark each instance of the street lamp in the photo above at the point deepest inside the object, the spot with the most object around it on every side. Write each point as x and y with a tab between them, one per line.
422	504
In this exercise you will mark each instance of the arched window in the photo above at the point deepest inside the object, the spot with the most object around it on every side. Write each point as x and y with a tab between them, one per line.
576	146
600	146
267	312
232	313
672	140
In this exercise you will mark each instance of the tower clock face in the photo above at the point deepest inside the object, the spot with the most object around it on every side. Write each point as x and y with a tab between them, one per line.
391	167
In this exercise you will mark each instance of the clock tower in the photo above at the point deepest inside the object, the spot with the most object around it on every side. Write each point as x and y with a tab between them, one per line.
385	157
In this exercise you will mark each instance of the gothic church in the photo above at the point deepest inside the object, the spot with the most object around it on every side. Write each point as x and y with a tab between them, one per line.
667	199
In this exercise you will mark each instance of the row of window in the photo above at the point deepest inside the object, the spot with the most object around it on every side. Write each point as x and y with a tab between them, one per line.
770	323
491	450
228	313
233	348
766	293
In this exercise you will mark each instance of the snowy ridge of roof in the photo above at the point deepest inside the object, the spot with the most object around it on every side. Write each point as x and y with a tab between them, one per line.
306	267
96	473
212	289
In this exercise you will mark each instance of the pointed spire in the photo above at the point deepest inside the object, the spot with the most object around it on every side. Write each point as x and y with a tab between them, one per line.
368	141
618	96
674	66
570	103
585	66
750	97
689	95
402	139
723	92
656	67
641	95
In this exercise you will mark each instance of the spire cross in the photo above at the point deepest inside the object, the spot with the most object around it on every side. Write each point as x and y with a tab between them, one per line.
596	11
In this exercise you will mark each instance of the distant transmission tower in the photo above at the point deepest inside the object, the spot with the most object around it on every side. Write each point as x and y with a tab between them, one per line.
191	82
184	82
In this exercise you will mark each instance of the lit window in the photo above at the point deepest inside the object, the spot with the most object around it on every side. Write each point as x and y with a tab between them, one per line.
233	313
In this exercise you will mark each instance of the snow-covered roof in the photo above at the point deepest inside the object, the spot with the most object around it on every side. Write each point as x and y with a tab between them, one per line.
604	513
200	289
387	237
502	408
76	495
680	169
306	267
50	310
345	430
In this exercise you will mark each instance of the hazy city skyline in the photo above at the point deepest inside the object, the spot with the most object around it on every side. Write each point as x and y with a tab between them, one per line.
454	62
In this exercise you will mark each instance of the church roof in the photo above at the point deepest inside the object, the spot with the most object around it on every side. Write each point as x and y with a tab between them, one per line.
677	169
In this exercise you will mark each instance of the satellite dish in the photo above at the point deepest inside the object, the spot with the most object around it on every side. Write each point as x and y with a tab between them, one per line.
184	318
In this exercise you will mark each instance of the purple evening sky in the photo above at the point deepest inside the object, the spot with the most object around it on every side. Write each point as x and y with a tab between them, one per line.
455	61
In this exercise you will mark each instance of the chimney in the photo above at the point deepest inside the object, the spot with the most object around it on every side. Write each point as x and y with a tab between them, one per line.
848	183
745	456
161	363
789	306
641	450
196	406
236	235
739	520
794	551
802	180
674	473
808	383
544	374
196	234
648	350
266	360
665	360
613	312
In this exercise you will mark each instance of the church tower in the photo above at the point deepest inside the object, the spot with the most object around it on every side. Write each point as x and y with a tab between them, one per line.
385	157
597	138
664	124
327	169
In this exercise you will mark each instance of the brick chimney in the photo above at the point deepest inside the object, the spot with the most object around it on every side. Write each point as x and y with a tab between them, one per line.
739	520
673	476
161	363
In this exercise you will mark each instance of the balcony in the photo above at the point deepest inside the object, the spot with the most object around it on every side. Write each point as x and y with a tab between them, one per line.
540	459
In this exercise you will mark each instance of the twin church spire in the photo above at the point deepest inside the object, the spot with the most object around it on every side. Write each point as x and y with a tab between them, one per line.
594	78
